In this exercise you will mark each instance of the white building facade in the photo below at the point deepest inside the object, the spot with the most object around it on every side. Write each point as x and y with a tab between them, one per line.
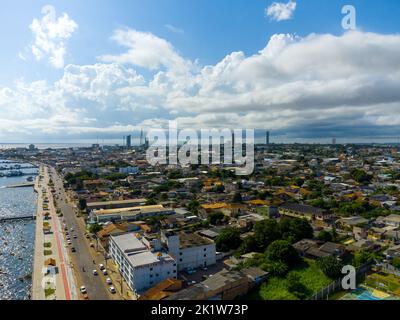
140	261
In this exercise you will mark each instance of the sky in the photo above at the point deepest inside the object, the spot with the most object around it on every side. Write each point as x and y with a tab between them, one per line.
82	70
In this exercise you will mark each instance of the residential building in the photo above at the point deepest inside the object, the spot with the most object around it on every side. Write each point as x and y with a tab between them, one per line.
140	261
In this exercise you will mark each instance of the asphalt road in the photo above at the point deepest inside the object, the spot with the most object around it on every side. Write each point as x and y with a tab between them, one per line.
82	259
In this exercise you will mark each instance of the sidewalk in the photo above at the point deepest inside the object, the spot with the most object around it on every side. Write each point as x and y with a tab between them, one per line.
59	285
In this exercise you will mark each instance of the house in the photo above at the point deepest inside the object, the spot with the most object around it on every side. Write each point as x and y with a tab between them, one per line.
313	249
224	285
162	290
306	212
392	220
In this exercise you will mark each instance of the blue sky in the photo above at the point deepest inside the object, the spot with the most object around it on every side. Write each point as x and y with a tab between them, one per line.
153	70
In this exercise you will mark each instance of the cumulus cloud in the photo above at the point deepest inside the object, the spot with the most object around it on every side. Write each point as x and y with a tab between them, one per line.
50	36
146	50
279	11
317	86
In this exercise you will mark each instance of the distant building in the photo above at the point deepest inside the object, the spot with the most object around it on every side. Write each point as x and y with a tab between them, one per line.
129	170
129	141
32	147
267	138
307	212
130	214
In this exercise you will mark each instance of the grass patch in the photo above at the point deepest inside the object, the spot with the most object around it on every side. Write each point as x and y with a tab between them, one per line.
49	291
384	281
311	277
47	252
47	244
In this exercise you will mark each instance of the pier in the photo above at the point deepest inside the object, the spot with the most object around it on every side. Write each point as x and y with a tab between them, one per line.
27	217
21	185
17	168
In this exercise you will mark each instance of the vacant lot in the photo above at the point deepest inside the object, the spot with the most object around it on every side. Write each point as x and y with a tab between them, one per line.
311	277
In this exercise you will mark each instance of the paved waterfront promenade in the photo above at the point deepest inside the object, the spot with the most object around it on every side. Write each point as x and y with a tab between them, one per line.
59	285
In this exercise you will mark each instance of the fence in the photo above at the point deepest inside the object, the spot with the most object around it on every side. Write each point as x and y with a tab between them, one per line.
334	286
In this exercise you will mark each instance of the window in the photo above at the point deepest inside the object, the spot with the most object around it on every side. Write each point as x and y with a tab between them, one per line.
151	282
157	274
174	264
180	253
151	269
174	271
205	255
151	276
205	249
180	260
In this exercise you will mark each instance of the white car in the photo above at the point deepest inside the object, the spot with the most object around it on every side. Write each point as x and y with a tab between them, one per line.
101	266
95	272
69	242
83	289
112	290
75	236
105	272
72	229
108	281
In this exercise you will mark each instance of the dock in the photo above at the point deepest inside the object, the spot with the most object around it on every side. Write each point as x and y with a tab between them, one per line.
27	217
21	185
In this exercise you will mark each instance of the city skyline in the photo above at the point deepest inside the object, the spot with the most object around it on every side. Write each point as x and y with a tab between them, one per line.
72	74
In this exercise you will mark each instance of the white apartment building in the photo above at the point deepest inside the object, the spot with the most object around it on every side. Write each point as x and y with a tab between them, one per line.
190	250
141	261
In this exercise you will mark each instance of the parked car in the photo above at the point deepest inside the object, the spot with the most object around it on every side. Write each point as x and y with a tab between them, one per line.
75	236
108	281
101	266
92	245
105	272
73	249
95	273
112	290
69	242
83	289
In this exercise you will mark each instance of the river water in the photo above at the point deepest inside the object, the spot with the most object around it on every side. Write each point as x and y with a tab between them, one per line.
16	239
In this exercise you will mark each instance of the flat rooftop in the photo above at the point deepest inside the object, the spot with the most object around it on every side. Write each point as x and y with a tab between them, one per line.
137	253
188	240
129	210
119	202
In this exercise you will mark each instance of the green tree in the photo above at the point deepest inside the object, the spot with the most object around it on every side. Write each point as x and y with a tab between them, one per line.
325	236
216	218
295	230
237	198
330	266
228	239
249	244
361	257
265	232
283	251
95	227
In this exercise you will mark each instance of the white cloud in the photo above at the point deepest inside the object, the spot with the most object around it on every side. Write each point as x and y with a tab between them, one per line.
50	36
174	29
314	85
146	50
279	11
